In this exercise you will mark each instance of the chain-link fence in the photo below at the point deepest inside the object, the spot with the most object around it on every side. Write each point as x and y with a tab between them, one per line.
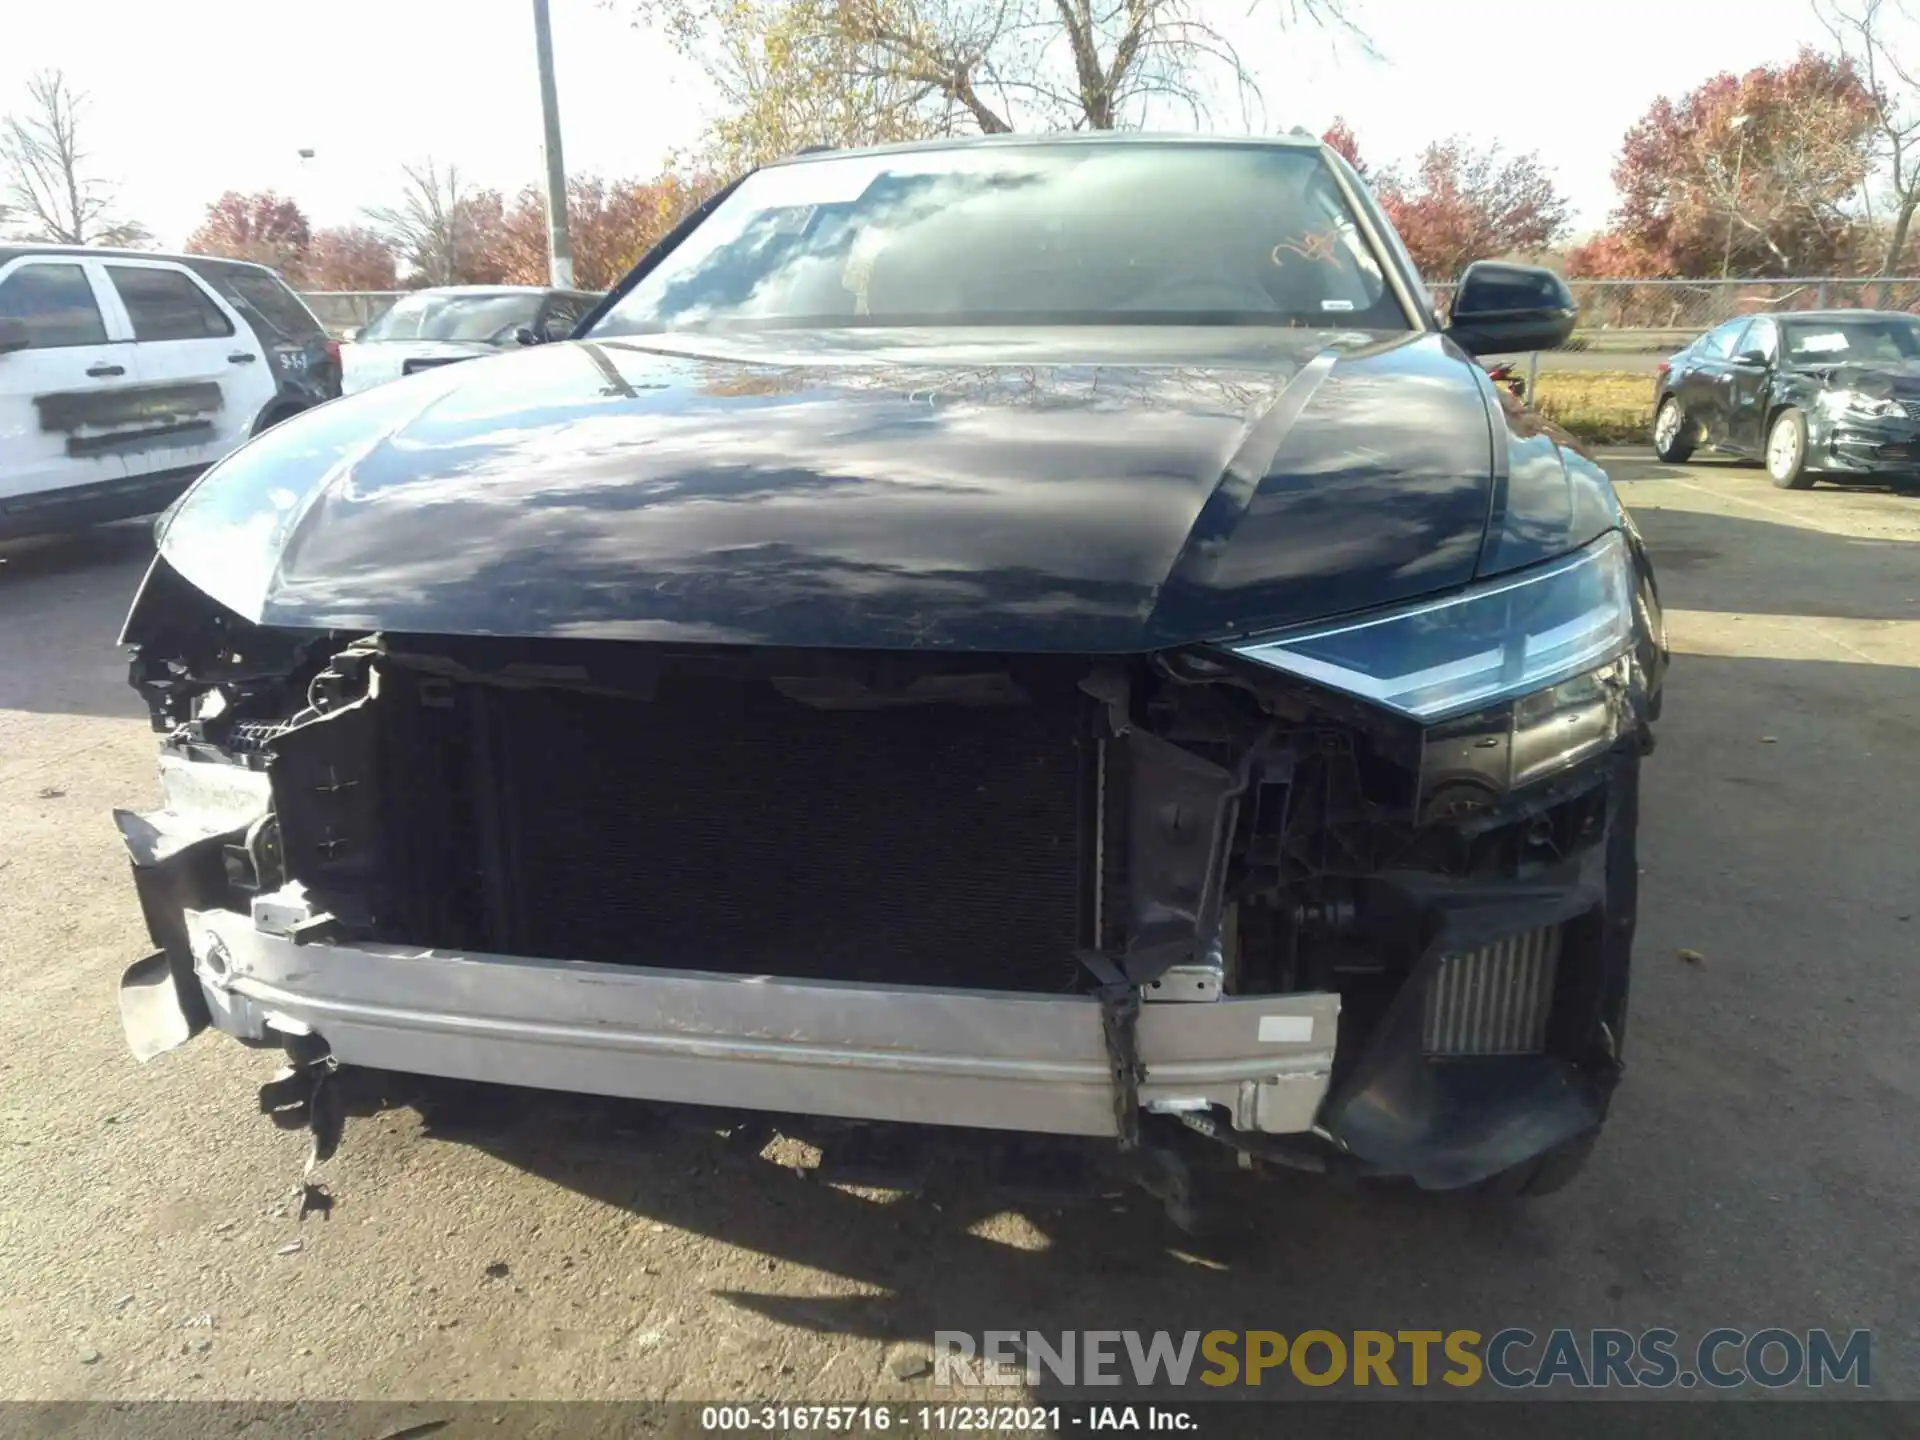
1614	314
344	310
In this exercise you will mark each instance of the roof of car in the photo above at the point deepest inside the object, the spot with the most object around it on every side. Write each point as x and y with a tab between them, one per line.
1854	314
497	290
1294	140
15	249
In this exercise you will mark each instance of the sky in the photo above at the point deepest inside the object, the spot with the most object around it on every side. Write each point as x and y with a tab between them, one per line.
189	99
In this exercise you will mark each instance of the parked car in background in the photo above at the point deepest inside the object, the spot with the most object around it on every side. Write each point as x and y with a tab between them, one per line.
1829	394
124	374
1045	633
450	323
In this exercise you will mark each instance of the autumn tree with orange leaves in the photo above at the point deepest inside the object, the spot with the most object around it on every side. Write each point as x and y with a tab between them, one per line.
1754	174
612	224
348	257
1460	204
266	228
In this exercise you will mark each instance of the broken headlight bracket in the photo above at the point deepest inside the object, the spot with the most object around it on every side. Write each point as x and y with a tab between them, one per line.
1510	682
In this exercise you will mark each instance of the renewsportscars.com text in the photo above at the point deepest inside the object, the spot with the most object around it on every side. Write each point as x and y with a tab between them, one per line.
1512	1358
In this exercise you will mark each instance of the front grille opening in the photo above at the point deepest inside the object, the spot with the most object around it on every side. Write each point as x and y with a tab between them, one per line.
1496	1000
722	824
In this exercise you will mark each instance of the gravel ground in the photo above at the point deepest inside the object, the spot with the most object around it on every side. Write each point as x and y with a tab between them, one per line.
1759	1168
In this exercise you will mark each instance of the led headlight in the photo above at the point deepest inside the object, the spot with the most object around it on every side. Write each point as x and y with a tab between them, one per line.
1512	681
1497	641
1860	407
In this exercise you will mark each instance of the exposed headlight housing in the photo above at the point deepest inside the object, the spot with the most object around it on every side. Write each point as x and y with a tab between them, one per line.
1512	681
1859	406
1495	641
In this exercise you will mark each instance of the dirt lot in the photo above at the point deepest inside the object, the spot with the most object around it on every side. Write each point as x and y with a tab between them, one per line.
1760	1168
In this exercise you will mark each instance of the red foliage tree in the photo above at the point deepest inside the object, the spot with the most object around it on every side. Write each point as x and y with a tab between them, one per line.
1750	174
611	224
1462	204
442	229
1613	256
1340	139
477	226
348	257
266	228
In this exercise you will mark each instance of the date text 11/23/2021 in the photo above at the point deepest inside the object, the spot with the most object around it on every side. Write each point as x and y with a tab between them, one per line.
945	1419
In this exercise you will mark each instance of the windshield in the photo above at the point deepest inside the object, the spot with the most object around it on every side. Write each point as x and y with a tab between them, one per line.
430	316
1128	233
1838	342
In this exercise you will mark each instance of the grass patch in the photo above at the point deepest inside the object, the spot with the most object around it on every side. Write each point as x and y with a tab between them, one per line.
1599	406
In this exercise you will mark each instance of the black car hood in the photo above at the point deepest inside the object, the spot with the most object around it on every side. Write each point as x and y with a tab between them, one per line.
841	493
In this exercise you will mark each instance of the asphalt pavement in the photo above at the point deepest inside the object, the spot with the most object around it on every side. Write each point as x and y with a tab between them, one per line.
1759	1169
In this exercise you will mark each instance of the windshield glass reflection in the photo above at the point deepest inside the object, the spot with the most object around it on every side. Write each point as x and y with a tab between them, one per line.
1132	233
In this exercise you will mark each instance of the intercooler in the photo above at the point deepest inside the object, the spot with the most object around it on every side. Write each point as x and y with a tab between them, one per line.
1496	1000
723	826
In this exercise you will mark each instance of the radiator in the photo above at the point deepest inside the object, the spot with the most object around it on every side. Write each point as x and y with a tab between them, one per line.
727	827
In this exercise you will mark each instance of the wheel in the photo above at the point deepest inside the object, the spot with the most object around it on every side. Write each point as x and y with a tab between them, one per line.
274	416
1672	432
1544	1174
1787	451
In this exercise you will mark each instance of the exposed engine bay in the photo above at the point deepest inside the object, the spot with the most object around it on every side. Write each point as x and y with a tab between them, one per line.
1149	836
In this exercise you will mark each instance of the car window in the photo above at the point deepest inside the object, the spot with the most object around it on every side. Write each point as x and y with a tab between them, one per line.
258	293
1717	344
563	313
436	315
55	303
1836	342
1043	234
166	305
1761	336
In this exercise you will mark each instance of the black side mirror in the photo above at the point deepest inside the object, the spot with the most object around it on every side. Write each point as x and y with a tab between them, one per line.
14	335
526	335
1500	308
1753	357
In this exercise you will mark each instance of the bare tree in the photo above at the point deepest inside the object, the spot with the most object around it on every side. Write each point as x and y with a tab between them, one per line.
930	66
789	79
441	227
1865	32
50	196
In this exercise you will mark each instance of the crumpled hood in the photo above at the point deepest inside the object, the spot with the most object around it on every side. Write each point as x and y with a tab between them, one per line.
1875	377
1029	493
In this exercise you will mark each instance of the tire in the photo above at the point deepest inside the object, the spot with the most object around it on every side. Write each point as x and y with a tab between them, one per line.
1787	451
1544	1174
1672	432
274	416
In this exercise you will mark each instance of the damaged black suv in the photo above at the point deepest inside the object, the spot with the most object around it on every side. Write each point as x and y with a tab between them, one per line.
1047	634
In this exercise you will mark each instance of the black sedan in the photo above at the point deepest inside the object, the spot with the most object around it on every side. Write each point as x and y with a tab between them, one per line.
1037	634
1832	393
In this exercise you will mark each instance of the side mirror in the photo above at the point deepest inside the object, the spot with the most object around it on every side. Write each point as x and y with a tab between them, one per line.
1753	357
526	335
14	335
1500	308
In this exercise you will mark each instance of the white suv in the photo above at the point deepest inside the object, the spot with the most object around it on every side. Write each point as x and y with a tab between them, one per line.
124	374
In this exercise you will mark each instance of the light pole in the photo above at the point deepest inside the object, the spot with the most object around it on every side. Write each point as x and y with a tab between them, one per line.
1738	124
559	244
